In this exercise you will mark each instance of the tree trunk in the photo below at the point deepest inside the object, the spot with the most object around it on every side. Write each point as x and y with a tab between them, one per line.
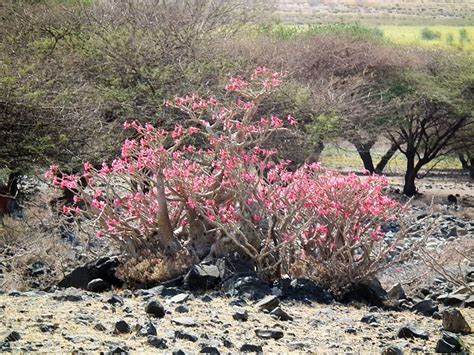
385	159
471	168
166	241
409	188
464	163
364	153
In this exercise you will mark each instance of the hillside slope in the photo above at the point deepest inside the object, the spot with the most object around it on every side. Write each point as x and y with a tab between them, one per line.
459	12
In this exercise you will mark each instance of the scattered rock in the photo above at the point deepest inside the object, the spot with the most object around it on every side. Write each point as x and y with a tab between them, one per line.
207	298
115	300
269	303
182	309
298	344
281	314
185	321
454	321
118	351
122	327
147	329
425	307
209	350
269	333
452	199
396	292
155	308
369	318
392	350
156	342
70	295
38	268
104	269
180	334
452	299
203	277
251	348
180	298
409	331
48	328
98	285
371	293
13	336
240	314
304	289
449	343
247	287
100	327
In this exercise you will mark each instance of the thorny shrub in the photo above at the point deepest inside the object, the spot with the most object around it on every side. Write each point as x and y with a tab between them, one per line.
209	187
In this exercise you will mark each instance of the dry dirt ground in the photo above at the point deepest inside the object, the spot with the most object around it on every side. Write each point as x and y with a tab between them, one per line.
51	326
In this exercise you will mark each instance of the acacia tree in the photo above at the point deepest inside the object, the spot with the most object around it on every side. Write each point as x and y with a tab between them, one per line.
351	77
433	115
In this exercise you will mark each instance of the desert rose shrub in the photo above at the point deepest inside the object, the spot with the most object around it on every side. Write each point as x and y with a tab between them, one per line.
208	188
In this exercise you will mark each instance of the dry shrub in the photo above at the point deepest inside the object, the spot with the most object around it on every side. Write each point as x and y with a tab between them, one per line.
449	261
37	238
152	270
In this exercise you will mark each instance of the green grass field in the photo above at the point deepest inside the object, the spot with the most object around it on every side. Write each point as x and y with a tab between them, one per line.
344	156
449	37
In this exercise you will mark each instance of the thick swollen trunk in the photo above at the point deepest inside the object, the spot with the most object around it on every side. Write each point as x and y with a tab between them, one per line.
386	158
167	242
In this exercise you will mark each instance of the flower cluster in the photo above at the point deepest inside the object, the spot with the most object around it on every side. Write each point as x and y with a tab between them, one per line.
167	191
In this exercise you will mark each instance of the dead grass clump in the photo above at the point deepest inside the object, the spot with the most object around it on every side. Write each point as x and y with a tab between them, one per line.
150	270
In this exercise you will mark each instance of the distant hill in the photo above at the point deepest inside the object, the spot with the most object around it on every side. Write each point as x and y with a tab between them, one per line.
455	12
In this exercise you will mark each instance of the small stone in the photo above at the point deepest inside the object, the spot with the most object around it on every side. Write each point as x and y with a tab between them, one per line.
115	300
269	334
251	348
98	285
178	352
396	292
118	351
269	303
155	308
454	321
410	331
180	334
185	321
156	342
369	318
100	327
449	343
281	314
46	328
227	343
392	350
240	314
351	331
209	350
122	327
206	298
180	298
452	299
13	336
298	344
147	329
182	309
425	307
